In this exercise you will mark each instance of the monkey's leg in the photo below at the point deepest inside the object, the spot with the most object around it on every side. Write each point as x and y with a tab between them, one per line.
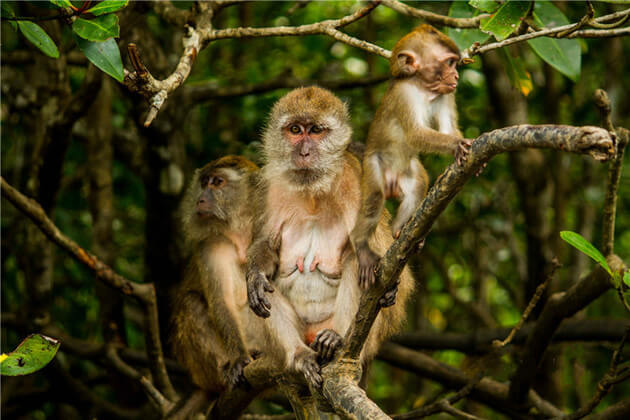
372	206
196	343
413	184
286	329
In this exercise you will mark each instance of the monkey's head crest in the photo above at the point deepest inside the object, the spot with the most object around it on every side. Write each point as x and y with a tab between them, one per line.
239	163
310	103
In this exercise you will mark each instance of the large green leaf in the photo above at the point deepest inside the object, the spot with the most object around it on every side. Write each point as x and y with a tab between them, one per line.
506	20
35	352
107	6
34	33
626	278
104	55
487	6
563	55
464	38
578	241
97	29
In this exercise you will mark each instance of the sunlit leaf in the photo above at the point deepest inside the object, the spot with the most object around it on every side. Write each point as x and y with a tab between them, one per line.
38	37
626	278
563	55
518	75
464	38
35	352
506	20
578	241
487	6
97	29
104	55
107	6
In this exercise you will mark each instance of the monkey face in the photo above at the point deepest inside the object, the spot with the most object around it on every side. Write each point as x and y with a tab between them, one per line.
219	194
308	130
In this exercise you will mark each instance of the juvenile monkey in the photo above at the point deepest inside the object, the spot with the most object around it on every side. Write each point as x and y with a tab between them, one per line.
214	331
417	115
310	196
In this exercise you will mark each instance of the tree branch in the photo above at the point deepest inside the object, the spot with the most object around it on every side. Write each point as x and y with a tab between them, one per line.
481	341
434	17
145	293
586	140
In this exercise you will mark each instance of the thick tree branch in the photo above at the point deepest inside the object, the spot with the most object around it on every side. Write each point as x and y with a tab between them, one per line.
481	341
559	306
145	293
586	140
487	391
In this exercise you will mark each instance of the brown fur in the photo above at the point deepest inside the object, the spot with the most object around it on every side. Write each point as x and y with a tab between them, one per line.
417	115
284	237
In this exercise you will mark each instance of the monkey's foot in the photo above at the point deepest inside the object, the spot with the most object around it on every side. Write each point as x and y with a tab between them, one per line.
462	150
257	285
306	364
326	344
389	297
233	371
368	261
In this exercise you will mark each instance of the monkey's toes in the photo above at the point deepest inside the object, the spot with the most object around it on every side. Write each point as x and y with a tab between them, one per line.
234	372
326	344
307	366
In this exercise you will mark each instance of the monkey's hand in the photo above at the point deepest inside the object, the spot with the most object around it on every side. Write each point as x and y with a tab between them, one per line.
233	371
389	297
462	150
257	285
599	143
306	364
326	344
367	263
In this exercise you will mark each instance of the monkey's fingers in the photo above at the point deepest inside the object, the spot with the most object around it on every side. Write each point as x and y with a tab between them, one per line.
258	302
307	365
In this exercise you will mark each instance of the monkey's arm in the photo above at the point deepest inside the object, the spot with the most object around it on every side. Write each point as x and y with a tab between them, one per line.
262	261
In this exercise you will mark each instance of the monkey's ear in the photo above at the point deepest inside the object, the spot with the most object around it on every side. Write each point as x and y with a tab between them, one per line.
406	64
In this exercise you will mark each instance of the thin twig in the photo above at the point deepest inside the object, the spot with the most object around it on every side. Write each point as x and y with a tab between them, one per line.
434	17
610	378
145	293
555	264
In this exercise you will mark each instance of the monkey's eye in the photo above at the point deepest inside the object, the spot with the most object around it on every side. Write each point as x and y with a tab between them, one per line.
451	62
216	181
316	129
295	129
204	181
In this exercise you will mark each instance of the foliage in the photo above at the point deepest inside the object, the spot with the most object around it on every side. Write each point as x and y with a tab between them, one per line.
33	354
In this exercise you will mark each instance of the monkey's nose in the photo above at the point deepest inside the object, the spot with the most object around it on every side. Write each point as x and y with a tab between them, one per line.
304	153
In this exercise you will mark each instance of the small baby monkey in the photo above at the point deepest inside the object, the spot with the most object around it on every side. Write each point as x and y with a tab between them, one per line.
417	115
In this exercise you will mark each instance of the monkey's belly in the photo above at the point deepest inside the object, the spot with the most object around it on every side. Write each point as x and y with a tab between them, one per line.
312	294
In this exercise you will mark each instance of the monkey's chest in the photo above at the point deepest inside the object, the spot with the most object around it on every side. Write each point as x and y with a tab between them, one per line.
310	267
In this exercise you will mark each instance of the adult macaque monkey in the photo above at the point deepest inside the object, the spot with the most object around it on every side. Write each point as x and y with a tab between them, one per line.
417	115
311	196
215	333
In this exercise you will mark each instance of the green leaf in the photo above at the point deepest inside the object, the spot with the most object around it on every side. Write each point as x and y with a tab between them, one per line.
563	55
7	11
487	6
506	20
626	278
38	37
464	38
104	55
519	77
578	241
62	3
97	29
107	6
35	352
